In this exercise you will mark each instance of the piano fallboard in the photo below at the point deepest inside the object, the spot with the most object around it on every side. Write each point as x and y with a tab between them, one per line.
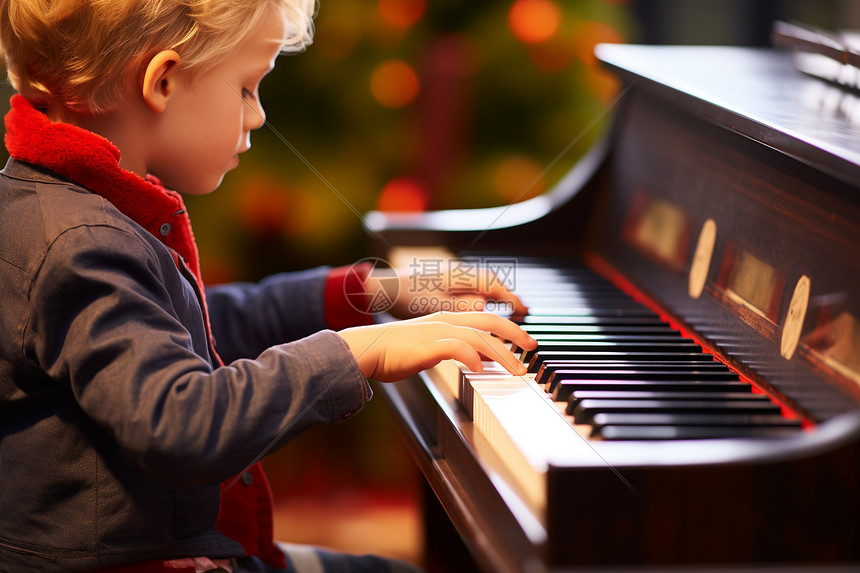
725	201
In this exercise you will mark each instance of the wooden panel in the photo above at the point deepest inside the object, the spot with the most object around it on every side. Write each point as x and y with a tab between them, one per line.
776	221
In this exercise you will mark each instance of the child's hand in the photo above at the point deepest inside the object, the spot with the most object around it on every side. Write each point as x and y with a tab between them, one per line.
460	289
393	351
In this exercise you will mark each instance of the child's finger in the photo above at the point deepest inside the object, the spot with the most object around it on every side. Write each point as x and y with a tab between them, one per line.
484	343
457	349
494	349
499	292
500	326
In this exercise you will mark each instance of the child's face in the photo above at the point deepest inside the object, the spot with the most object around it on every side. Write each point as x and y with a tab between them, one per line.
208	122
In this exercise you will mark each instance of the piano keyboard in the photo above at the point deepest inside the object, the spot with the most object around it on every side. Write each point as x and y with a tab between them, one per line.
616	371
607	370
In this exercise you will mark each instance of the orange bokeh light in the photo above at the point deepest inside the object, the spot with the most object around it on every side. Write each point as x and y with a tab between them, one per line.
264	208
554	55
394	83
401	13
403	194
534	21
589	34
268	209
517	178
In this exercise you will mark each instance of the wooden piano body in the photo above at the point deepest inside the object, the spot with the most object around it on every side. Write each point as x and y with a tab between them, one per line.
726	197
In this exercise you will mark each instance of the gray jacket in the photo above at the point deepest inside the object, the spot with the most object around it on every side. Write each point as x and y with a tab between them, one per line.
115	428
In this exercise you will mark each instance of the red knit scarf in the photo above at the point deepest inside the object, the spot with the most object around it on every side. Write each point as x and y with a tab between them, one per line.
92	161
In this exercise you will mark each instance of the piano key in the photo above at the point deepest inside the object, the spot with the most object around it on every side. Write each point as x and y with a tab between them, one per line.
656	328
625	419
579	395
553	372
614	311
627	346
630	369
562	391
618	433
609	356
602	295
594	320
566	297
586	410
658	336
620	338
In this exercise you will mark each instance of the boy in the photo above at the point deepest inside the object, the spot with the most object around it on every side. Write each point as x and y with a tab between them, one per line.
121	425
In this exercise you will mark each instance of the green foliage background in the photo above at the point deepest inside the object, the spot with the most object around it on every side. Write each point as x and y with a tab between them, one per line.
329	147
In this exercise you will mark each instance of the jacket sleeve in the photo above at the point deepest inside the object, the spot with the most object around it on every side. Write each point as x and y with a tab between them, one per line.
110	317
247	318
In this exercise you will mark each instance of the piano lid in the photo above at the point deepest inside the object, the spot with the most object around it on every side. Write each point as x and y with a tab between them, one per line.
756	92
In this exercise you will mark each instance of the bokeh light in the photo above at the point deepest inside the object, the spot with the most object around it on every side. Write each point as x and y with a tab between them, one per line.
554	55
589	34
272	210
394	83
263	208
517	178
534	21
401	13
305	212
403	194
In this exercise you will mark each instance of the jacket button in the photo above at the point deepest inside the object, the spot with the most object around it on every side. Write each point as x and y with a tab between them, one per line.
165	229
247	478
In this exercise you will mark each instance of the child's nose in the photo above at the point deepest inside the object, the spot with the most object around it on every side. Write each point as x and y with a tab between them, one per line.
255	117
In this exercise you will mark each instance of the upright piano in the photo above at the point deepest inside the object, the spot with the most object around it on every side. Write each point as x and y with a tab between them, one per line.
694	284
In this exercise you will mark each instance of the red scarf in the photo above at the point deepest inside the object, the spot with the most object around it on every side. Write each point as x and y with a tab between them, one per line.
92	161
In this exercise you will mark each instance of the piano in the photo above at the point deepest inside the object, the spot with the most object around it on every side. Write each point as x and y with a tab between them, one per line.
694	283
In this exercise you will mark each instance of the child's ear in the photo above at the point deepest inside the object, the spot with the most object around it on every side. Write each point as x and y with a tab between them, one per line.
159	80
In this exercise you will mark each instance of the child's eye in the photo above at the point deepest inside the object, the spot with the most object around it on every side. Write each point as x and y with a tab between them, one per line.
248	94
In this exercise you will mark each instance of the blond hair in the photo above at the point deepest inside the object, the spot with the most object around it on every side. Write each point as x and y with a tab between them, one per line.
78	52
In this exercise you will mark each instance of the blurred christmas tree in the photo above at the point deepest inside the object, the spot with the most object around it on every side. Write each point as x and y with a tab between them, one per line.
408	105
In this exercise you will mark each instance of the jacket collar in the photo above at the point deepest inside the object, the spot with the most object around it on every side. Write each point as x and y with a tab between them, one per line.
92	162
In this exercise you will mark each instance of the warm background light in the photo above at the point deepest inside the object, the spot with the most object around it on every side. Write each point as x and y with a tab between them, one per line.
403	194
517	178
401	13
394	83
534	21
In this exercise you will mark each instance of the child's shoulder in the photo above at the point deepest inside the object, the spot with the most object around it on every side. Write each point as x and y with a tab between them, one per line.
38	207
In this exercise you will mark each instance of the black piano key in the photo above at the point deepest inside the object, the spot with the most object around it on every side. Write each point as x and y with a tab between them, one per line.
573	298
618	433
627	346
578	396
594	320
668	336
557	340
557	337
610	356
654	419
614	310
630	370
586	410
656	328
563	390
551	373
